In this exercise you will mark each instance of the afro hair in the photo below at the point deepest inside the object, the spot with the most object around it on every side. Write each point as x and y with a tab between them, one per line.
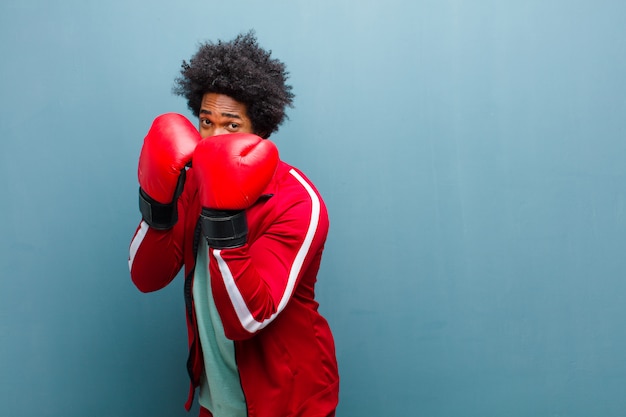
243	71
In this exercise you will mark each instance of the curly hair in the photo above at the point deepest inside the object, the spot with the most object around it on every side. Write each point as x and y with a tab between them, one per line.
243	71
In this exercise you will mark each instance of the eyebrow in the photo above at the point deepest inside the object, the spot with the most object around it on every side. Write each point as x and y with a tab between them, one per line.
230	115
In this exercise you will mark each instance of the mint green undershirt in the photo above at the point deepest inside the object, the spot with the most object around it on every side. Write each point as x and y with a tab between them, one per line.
220	387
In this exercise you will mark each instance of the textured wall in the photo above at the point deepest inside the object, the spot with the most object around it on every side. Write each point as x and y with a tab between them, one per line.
471	154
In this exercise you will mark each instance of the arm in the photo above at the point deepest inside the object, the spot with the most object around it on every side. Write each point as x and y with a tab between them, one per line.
156	256
253	284
156	250
253	275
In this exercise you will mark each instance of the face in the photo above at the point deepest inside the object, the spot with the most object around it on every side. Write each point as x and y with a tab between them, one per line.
221	114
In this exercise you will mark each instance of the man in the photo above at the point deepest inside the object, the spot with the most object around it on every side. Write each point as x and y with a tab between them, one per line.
249	230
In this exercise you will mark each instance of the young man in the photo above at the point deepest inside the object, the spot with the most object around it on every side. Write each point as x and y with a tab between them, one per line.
249	230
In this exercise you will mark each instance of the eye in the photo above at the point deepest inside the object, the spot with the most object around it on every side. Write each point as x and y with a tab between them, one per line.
233	126
205	122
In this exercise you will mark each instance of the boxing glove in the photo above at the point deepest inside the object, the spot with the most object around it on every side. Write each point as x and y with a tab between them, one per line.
232	171
167	149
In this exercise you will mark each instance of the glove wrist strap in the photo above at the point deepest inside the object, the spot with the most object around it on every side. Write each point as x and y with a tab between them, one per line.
158	216
224	228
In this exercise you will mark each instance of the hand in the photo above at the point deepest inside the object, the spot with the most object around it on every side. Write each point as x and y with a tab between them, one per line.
232	170
167	149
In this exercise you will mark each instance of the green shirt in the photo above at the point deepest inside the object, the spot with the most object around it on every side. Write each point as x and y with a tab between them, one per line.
220	387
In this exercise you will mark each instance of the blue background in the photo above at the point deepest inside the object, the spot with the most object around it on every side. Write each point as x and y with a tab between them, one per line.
471	153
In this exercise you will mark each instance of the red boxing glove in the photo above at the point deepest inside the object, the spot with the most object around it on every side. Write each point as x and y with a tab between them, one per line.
167	149
232	170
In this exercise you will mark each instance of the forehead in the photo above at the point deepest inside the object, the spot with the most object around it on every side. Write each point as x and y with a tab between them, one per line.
218	104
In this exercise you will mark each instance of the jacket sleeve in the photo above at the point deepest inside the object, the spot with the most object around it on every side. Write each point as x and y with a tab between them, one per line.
156	256
252	284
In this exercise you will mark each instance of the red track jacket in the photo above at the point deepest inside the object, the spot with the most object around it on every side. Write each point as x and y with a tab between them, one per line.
263	291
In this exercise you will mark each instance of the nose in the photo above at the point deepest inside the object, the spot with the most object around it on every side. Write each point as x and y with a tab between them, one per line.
207	133
219	131
214	132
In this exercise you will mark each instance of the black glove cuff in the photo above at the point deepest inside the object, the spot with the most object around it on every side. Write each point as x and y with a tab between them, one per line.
224	229
158	216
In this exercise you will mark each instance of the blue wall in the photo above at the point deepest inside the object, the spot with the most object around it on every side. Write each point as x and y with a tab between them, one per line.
472	155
